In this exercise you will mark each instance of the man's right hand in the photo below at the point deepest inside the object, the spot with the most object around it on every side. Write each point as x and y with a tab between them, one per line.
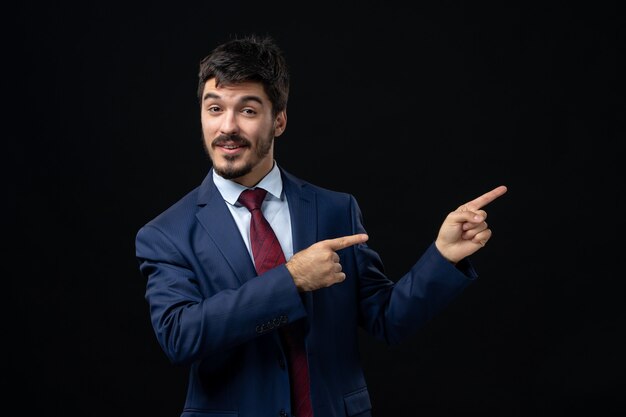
318	265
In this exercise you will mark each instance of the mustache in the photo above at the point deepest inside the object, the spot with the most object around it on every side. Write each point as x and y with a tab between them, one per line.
231	140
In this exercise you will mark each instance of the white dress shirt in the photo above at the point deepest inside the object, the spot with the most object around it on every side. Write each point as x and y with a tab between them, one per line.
275	208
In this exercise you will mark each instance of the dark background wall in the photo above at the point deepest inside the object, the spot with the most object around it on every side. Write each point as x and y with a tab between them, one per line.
432	104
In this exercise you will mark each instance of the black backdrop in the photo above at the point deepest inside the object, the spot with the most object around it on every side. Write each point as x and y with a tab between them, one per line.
413	109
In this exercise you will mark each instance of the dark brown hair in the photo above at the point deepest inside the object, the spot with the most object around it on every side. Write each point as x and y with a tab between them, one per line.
249	58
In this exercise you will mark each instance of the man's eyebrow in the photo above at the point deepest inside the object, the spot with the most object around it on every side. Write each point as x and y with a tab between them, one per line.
210	95
243	99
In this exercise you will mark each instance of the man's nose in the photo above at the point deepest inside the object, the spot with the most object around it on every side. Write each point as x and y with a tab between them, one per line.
229	124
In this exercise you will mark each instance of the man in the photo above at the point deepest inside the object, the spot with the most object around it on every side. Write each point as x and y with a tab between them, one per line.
269	324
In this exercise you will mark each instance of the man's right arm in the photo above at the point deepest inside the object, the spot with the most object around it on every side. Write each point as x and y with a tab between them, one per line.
192	319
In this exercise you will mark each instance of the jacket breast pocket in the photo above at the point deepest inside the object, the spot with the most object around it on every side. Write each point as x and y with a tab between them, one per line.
358	403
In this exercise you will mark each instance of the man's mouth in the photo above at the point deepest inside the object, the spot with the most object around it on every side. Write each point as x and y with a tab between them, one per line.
231	146
230	143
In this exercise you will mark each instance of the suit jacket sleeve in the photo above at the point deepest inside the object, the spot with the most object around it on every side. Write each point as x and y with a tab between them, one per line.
192	321
392	311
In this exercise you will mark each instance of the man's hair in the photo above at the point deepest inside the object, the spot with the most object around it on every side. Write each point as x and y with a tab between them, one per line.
249	58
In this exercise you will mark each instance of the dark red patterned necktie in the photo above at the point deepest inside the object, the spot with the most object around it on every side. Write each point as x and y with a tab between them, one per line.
268	254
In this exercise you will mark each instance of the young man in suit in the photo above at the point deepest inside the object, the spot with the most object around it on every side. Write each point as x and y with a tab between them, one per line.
237	319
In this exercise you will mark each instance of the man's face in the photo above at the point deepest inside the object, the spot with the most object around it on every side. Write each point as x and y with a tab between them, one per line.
238	130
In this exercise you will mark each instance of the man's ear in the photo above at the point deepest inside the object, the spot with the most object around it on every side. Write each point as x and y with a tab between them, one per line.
280	123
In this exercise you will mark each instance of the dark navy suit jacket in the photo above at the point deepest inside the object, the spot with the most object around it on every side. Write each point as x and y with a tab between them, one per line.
210	310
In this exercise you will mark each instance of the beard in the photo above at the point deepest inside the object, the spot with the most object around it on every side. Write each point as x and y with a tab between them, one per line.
231	170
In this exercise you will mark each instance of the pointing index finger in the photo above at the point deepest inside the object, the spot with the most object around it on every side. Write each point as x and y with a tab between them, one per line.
345	241
486	198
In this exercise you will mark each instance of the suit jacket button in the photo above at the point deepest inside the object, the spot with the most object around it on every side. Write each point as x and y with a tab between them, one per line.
282	413
281	363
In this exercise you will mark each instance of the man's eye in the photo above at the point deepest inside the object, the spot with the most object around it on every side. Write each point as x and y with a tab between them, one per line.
213	109
249	112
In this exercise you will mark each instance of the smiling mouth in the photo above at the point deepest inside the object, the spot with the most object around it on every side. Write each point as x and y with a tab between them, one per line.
230	143
231	150
231	146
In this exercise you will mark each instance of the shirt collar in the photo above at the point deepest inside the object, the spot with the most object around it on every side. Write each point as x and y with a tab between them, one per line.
230	190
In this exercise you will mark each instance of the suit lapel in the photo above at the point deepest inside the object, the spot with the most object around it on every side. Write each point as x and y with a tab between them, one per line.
218	222
303	211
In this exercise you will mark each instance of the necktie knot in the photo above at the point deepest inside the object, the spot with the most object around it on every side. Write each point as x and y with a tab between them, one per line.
252	199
